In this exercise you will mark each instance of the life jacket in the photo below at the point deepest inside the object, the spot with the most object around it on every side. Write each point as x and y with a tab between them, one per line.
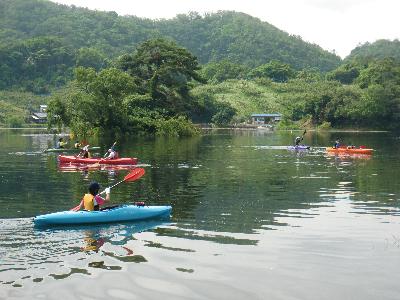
89	202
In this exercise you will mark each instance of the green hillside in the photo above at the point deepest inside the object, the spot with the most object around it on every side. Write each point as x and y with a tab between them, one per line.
244	39
139	75
377	50
236	36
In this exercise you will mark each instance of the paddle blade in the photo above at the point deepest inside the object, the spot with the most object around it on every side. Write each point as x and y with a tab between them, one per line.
135	174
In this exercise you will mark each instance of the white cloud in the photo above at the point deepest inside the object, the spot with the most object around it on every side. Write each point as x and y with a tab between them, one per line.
333	24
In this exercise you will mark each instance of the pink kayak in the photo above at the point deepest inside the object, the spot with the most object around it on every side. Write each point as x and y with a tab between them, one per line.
97	160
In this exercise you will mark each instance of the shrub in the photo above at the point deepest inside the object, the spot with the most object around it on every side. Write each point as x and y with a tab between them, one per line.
177	126
325	125
14	121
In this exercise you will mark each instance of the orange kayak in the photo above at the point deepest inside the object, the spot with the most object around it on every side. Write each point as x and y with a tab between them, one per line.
350	150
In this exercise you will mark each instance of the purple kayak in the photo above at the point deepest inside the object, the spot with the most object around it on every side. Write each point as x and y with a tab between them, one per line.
298	148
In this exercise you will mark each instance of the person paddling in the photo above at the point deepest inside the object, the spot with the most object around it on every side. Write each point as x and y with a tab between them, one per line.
298	139
337	144
84	152
111	153
93	200
61	143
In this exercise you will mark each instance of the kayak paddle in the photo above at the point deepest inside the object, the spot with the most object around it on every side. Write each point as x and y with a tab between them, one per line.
302	137
110	148
102	159
135	174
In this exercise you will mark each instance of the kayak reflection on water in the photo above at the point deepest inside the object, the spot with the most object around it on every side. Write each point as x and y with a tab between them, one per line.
96	236
92	242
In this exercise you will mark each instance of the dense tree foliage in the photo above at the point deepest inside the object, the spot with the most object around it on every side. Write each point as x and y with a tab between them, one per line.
377	50
116	73
91	58
245	40
146	92
224	35
346	73
223	70
274	70
35	64
164	70
370	99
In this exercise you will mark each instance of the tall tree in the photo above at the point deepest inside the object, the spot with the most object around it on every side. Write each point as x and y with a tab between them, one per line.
165	71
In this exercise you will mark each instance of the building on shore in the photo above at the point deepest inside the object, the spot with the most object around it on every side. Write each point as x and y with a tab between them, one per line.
40	117
265	119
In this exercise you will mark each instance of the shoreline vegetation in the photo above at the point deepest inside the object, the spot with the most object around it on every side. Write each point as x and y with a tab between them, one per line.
162	84
56	132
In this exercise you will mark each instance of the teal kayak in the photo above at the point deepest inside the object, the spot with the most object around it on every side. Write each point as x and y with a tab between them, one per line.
69	149
120	213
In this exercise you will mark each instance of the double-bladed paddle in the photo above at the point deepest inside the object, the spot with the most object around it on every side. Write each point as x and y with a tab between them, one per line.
302	137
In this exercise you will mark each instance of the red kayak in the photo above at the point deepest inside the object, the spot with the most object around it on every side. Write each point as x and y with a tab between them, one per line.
71	167
79	160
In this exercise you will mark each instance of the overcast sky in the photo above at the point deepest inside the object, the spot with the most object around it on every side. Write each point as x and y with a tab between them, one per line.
338	25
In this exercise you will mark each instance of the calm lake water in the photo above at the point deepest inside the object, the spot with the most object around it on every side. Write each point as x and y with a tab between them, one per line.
250	220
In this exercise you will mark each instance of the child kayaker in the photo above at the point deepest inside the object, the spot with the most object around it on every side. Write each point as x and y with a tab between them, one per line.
93	200
61	143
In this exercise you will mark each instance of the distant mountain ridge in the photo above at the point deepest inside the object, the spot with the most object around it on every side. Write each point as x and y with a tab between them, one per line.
223	35
379	49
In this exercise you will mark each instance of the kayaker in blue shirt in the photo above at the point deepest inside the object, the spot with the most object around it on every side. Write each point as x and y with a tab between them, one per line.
337	144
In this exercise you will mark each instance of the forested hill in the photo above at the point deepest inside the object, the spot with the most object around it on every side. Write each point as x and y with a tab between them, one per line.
378	50
236	36
244	39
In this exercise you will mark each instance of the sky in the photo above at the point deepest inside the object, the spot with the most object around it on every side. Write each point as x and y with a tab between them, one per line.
335	25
